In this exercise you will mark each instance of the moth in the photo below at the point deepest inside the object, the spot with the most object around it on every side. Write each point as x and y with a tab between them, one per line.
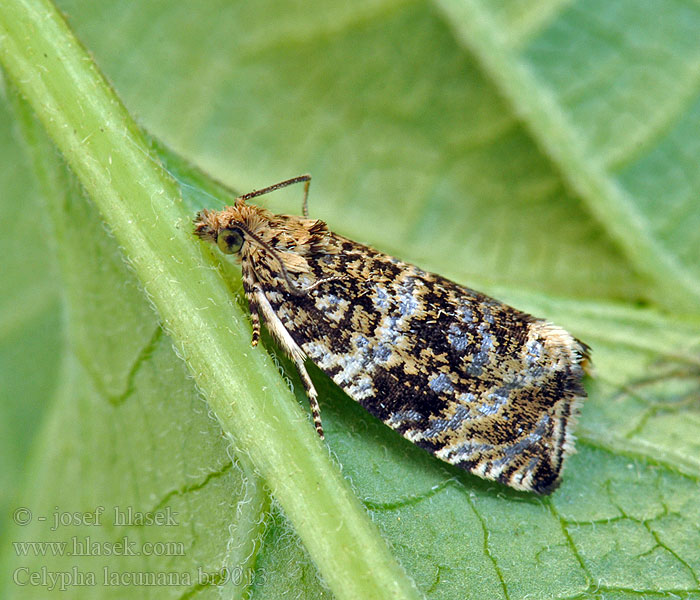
479	384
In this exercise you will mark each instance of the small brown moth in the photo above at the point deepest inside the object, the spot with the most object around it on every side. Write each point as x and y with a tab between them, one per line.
475	382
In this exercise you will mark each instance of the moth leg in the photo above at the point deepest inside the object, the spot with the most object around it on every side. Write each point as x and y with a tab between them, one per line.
312	395
249	285
255	321
291	348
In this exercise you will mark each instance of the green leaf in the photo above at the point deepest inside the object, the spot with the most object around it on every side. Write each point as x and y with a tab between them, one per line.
544	152
609	90
143	208
29	316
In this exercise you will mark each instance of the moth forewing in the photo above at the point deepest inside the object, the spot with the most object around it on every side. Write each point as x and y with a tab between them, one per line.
475	382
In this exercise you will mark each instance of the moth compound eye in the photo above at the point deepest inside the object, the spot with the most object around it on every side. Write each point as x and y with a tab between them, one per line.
230	241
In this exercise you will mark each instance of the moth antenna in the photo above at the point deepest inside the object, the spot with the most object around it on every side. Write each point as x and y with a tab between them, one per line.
293	287
305	179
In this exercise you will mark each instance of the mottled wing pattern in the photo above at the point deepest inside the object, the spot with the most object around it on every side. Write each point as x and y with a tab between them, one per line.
475	382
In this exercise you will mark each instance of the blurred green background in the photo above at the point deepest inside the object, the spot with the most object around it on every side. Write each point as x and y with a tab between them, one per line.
545	152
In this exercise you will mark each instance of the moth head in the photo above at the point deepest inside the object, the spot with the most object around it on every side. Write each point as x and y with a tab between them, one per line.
213	227
206	225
